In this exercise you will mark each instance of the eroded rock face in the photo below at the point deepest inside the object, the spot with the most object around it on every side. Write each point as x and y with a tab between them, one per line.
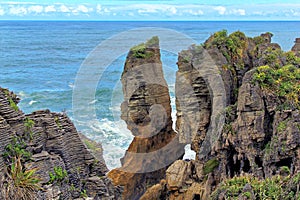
54	143
296	47
147	112
259	138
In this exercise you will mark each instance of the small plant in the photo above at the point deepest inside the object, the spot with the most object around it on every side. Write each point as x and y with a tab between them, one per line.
281	126
23	178
21	184
153	41
83	194
285	169
16	149
186	59
247	194
210	165
140	51
91	145
56	119
58	175
29	123
12	104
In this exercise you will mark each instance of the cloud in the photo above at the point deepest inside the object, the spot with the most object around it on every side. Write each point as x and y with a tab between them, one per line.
84	9
2	12
17	10
221	9
147	8
194	12
137	10
35	9
50	9
160	9
241	12
64	9
98	8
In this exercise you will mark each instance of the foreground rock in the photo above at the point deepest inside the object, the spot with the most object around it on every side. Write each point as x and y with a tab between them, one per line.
146	110
54	147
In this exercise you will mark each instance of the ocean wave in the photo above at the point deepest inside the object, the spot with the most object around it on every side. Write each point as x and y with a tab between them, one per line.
31	102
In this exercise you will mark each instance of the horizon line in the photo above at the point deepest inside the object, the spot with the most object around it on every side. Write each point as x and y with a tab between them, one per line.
95	20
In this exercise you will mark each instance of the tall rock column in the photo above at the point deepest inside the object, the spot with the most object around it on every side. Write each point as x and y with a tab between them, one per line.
147	112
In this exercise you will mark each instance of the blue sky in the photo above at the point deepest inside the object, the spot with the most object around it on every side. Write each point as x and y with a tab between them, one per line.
149	10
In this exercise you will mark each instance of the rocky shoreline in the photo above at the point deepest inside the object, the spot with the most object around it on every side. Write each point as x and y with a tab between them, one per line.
255	155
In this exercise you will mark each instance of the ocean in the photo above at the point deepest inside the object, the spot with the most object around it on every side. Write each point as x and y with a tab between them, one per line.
39	61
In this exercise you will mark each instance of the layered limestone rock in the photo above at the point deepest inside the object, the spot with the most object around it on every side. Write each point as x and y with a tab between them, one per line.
296	47
260	139
147	112
54	145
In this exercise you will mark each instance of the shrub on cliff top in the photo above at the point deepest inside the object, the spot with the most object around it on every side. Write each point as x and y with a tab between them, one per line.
283	81
139	51
232	46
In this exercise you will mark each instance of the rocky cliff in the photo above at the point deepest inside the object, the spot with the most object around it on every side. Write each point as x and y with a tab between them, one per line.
147	112
44	157
256	155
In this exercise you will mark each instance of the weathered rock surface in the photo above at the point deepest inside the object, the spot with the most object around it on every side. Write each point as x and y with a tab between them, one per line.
53	142
296	47
147	112
260	137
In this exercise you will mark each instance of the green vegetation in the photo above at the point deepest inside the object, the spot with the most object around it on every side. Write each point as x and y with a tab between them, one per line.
281	126
210	165
29	123
83	194
273	57
140	51
285	169
23	178
276	187
16	149
56	119
232	46
91	145
258	40
21	183
58	176
291	58
12	104
153	41
283	81
186	59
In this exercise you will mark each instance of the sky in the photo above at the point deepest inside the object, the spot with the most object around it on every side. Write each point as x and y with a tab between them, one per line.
133	10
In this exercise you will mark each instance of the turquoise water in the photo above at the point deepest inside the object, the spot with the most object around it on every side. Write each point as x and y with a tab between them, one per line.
40	60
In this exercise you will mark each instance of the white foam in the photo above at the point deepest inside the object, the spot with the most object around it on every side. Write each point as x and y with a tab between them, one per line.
32	102
189	154
22	94
71	85
93	102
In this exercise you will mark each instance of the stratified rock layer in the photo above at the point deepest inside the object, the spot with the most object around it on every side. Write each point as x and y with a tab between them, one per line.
147	112
260	137
54	143
296	47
